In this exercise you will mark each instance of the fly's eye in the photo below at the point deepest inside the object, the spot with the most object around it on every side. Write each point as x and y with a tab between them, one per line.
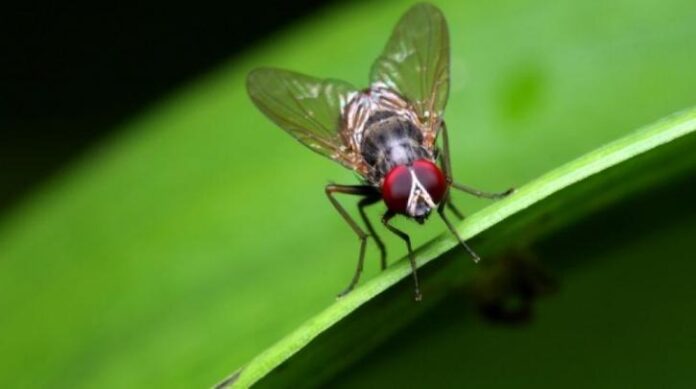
432	179
396	189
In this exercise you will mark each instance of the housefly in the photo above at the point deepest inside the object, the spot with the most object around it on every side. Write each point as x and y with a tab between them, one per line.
386	133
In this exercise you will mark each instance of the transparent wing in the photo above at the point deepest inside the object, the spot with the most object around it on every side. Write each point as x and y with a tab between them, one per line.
307	108
416	60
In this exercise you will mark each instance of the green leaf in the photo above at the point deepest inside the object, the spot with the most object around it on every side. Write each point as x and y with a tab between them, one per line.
199	235
616	291
530	202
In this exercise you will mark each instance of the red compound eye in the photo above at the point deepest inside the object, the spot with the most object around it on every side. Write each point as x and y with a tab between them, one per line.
396	188
432	179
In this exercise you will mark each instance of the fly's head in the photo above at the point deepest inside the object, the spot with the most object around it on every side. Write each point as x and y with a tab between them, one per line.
414	190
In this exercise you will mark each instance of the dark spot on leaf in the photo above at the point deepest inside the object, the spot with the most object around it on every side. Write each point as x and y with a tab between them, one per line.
506	291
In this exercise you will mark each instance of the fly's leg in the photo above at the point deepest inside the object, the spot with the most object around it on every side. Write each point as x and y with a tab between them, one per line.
369	193
447	167
445	164
453	208
411	257
380	245
441	212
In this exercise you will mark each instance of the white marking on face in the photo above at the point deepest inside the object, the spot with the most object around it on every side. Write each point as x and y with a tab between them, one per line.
418	192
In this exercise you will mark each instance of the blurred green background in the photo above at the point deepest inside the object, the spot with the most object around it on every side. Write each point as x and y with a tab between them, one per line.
197	234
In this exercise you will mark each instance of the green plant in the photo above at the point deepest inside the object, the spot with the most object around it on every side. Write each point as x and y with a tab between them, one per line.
199	236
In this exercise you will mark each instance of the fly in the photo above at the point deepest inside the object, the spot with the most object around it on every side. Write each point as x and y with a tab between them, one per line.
386	133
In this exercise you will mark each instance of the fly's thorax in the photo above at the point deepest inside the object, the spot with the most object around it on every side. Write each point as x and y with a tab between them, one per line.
391	140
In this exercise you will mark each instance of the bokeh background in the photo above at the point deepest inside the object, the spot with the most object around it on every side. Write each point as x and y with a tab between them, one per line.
71	73
156	230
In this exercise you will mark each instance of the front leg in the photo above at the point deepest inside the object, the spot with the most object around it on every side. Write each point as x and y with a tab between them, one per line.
450	226
366	201
369	193
447	202
411	257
